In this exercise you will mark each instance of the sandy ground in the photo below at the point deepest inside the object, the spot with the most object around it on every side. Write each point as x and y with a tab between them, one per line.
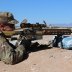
44	60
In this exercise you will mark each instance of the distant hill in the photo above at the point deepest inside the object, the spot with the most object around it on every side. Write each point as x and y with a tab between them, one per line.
62	25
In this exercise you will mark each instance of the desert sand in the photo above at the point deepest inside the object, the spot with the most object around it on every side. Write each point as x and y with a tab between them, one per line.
43	60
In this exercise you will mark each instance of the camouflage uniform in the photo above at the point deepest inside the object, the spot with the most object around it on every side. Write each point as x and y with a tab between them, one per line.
9	54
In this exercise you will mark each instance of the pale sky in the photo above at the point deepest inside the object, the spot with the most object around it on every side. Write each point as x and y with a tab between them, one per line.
53	11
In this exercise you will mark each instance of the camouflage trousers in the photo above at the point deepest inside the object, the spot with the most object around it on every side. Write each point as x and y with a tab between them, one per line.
9	54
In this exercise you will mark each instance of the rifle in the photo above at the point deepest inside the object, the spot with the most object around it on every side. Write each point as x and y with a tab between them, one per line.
31	34
35	33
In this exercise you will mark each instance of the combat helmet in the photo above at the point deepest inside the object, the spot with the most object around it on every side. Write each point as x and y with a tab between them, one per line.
7	17
7	23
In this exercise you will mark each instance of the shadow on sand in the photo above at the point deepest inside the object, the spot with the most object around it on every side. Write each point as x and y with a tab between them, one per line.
39	48
34	48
